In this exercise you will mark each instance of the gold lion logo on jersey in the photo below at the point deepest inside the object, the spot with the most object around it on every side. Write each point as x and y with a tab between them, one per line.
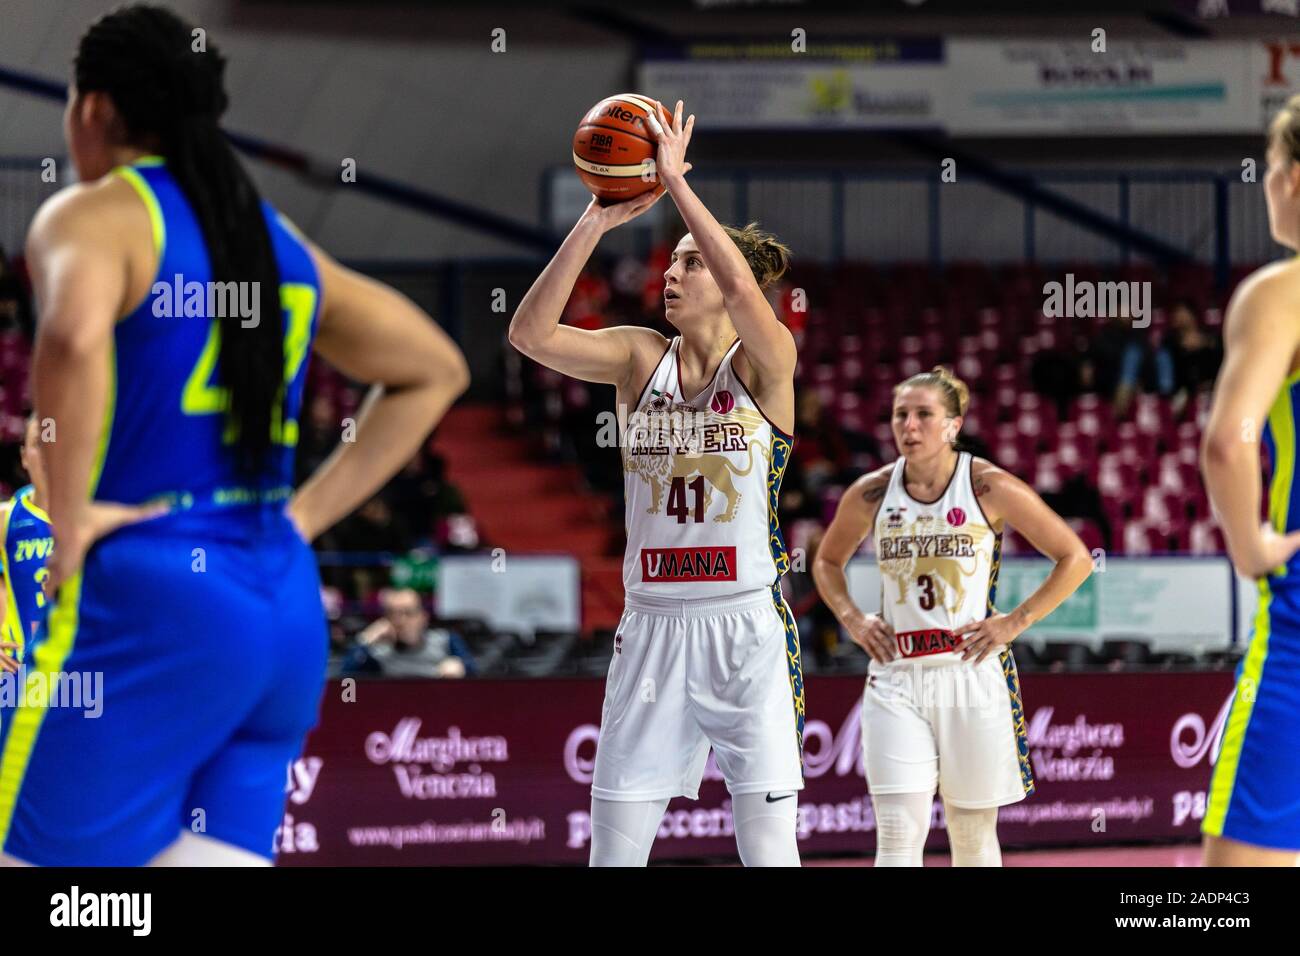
948	572
698	451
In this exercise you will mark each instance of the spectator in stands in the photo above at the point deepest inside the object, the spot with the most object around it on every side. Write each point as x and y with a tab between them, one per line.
1078	498
376	528
1121	359
15	311
1056	373
321	430
821	451
422	494
402	644
340	644
1194	355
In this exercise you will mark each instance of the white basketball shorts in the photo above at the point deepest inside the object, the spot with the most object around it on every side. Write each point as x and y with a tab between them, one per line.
687	674
948	724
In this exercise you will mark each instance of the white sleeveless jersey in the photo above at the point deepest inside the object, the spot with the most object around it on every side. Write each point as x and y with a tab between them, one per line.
701	476
938	563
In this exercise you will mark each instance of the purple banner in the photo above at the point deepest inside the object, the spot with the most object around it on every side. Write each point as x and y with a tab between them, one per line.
499	772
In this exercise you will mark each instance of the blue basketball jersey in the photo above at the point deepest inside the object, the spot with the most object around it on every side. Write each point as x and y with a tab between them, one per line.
25	545
167	436
1254	794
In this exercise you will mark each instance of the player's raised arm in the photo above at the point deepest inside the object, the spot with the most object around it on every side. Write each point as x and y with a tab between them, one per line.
1260	338
769	346
374	334
602	355
855	516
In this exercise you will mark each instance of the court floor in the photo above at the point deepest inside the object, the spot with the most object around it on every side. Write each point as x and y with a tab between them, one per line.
1112	856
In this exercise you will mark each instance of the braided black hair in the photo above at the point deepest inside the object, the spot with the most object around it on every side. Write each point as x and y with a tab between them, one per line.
170	98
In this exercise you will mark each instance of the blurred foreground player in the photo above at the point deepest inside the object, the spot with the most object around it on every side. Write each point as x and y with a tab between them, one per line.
206	623
706	651
1252	817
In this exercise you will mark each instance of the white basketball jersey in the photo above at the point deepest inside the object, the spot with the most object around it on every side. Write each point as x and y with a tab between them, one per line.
938	563
701	476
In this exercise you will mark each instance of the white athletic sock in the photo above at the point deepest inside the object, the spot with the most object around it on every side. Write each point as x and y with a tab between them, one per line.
765	827
973	836
622	832
902	824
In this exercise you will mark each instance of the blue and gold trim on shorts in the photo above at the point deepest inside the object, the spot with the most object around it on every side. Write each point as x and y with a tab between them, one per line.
1018	719
794	662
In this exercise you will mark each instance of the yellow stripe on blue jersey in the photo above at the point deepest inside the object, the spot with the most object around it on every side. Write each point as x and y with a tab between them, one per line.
42	670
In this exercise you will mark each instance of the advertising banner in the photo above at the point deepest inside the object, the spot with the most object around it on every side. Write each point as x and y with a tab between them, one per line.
848	83
540	592
1051	87
498	772
979	86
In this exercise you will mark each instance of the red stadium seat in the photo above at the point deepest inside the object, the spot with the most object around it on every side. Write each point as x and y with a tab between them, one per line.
1205	537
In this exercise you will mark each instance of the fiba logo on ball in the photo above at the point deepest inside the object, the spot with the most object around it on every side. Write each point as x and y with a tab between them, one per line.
956	517
723	402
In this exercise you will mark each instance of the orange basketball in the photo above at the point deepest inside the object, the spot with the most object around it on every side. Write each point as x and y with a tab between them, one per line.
613	145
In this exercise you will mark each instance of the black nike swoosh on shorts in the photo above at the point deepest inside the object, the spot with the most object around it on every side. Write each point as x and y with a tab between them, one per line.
786	797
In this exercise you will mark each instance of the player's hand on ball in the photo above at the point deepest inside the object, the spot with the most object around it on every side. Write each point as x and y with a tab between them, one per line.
8	657
607	217
984	637
871	633
674	137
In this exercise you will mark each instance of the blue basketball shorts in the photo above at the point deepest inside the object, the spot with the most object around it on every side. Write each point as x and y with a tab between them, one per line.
181	672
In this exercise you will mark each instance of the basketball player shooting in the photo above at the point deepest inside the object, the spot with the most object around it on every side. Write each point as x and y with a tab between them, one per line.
707	651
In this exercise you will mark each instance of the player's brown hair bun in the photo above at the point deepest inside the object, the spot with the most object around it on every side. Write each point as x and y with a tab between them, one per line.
768	257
